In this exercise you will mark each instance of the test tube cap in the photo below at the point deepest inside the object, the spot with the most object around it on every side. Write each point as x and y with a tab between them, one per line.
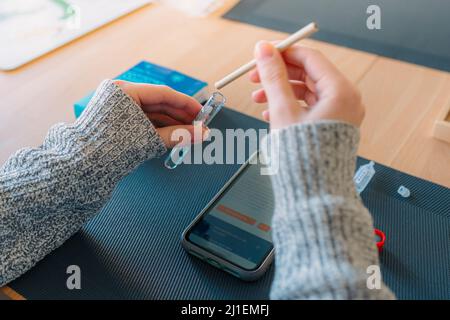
404	192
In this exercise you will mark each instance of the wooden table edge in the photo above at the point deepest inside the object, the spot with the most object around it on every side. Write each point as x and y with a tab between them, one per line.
11	294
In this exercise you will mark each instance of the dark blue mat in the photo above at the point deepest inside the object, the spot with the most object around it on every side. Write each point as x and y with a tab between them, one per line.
132	250
416	31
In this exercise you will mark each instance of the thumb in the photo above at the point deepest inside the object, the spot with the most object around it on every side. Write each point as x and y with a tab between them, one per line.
183	135
274	77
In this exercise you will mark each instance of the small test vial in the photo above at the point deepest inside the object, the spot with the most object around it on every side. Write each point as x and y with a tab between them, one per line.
363	176
404	192
215	103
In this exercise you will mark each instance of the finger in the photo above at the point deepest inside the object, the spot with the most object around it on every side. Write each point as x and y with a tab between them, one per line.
274	76
299	88
310	98
163	120
183	135
315	64
294	73
259	96
168	110
162	95
266	115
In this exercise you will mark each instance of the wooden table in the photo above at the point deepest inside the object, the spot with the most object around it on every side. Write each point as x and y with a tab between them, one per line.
403	100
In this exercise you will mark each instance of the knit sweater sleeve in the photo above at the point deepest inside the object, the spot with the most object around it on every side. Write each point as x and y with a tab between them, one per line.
323	235
48	193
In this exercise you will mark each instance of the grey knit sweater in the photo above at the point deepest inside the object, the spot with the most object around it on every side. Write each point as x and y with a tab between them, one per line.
323	235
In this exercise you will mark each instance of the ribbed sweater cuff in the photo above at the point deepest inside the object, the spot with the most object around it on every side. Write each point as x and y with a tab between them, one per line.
114	123
322	233
316	159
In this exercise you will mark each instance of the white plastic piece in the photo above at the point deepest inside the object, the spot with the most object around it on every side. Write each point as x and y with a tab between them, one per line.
205	116
363	176
404	192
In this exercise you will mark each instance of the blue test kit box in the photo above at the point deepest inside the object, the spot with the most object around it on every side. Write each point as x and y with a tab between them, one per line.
146	72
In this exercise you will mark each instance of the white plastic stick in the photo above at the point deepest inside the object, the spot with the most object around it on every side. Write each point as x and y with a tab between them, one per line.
281	46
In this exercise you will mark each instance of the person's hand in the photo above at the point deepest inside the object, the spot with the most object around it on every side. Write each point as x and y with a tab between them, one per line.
166	108
303	74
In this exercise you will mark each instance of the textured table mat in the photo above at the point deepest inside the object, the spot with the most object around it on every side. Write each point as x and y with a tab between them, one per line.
132	249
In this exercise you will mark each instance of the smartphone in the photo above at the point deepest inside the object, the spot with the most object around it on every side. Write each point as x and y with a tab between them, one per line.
233	232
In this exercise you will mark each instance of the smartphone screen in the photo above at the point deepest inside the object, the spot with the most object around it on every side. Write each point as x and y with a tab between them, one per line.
237	226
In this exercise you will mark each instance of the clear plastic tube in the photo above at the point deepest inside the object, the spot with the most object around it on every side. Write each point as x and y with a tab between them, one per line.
363	176
205	116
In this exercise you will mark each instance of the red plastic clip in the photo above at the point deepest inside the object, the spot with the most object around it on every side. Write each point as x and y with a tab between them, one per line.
382	236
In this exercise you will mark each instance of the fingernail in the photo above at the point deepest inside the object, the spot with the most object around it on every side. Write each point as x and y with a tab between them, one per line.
198	123
264	50
206	133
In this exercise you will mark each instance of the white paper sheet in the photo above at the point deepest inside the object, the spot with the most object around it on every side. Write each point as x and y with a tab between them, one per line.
194	7
31	28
